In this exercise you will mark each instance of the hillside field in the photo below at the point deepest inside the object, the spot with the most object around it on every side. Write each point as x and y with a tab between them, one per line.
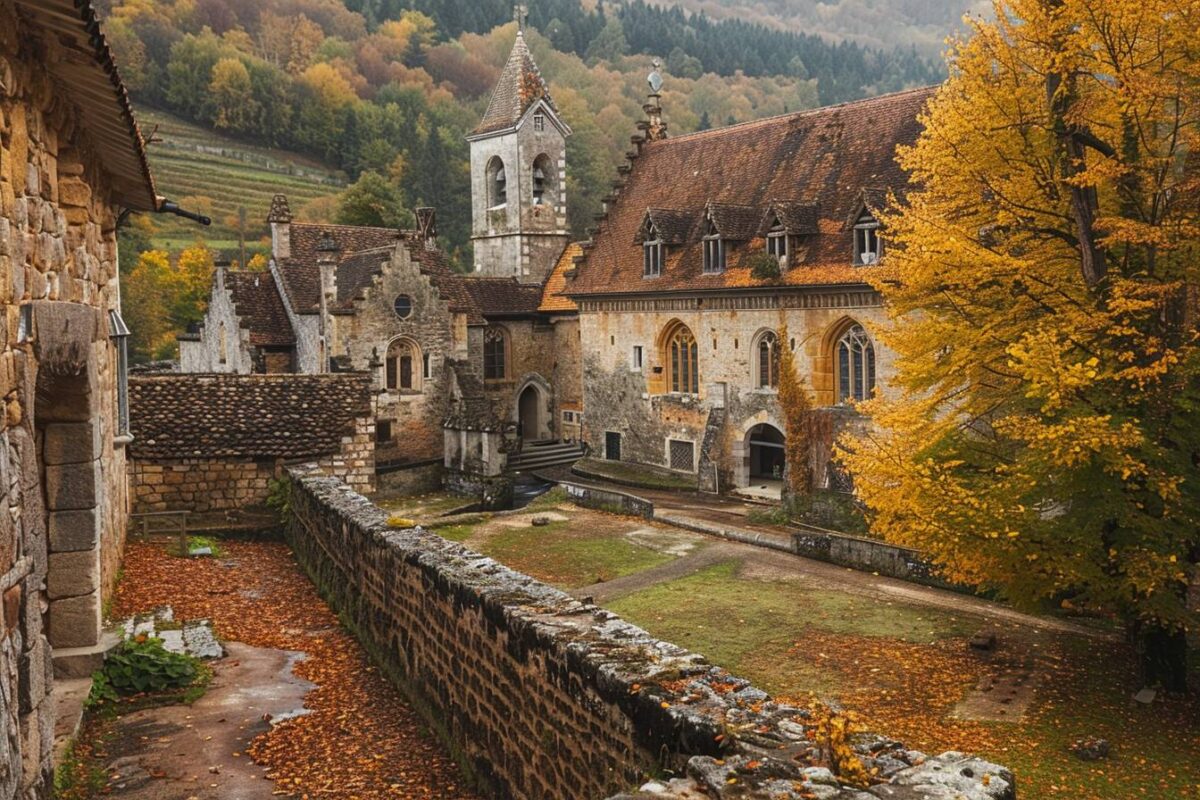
212	174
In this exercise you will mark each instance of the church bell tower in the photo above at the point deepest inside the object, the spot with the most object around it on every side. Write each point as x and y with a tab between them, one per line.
518	174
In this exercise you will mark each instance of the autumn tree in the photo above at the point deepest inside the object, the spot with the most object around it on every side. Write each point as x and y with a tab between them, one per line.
142	306
1042	439
796	407
234	106
372	200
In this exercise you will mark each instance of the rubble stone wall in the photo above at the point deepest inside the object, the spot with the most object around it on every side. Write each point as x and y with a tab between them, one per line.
542	696
62	462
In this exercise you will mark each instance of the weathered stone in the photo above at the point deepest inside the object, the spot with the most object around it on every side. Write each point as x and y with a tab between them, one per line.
73	574
74	192
75	621
71	442
12	608
72	486
31	675
74	530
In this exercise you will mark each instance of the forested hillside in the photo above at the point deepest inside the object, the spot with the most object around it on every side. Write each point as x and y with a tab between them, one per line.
386	90
922	24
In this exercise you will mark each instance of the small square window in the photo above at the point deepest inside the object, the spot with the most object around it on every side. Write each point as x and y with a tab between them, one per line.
636	359
539	122
383	431
682	455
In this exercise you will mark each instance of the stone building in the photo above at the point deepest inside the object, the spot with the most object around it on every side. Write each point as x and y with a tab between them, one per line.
681	340
493	353
71	163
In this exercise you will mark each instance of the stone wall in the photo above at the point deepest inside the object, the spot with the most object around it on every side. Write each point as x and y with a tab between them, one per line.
62	461
637	404
207	443
542	696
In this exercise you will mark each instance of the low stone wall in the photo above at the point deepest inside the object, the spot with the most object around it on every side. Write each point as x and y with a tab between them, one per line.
206	443
544	697
608	500
867	554
405	479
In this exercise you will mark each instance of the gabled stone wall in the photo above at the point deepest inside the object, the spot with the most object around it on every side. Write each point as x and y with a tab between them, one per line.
544	697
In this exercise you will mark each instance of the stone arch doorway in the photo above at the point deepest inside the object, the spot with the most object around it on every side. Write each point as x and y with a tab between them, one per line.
529	413
765	452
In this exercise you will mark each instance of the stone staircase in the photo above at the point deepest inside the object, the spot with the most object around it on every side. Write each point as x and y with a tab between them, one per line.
536	455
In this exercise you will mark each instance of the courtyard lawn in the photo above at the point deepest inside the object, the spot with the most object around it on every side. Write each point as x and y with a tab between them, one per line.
904	670
425	507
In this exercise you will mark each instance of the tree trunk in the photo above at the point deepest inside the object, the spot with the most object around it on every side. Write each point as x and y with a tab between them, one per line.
1164	657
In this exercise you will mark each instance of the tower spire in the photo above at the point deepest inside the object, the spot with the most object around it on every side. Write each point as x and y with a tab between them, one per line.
521	15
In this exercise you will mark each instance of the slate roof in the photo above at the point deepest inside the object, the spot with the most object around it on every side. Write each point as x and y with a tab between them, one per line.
253	416
503	297
674	227
90	77
301	271
824	162
260	308
798	218
552	298
519	87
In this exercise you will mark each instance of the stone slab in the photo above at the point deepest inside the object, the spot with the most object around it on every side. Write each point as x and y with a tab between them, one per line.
74	530
71	487
73	574
71	443
75	621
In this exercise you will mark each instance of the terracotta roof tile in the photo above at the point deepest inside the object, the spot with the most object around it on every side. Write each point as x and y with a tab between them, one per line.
301	272
519	87
260	308
503	296
552	297
673	227
824	161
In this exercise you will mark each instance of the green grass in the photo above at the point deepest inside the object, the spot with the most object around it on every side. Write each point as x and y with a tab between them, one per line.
422	508
748	626
456	533
192	161
567	559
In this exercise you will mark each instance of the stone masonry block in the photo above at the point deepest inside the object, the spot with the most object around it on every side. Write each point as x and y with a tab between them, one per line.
31	675
72	486
72	443
73	574
74	530
75	621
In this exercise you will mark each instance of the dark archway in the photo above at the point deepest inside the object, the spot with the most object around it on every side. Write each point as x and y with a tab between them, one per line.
767	454
529	413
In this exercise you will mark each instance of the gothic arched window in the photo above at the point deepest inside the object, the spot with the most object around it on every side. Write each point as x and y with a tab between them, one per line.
495	353
856	366
766	372
682	359
403	356
497	183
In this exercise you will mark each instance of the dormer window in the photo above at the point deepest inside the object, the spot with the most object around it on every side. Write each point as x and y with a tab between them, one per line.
866	240
539	122
714	249
777	241
652	254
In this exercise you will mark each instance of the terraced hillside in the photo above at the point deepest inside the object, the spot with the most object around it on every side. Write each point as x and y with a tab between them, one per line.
215	175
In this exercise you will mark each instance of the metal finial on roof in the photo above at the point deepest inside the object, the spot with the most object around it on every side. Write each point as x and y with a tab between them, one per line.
520	14
655	78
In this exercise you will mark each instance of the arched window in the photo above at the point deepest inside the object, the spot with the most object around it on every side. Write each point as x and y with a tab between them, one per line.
866	240
497	184
856	366
682	359
543	181
403	372
766	363
495	353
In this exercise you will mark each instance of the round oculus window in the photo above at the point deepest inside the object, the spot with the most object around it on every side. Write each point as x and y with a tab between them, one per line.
403	306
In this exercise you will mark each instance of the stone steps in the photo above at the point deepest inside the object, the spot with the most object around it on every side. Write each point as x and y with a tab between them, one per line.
538	456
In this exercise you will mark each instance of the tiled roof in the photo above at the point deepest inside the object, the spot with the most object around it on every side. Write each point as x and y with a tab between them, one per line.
824	161
552	299
519	87
357	271
674	227
503	296
737	223
797	218
301	271
260	308
90	77
253	416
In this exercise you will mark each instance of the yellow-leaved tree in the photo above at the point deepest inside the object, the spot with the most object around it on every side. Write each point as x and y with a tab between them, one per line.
1042	438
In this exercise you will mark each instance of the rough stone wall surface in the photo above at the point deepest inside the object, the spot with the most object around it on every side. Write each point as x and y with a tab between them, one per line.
636	403
206	353
62	524
544	696
533	361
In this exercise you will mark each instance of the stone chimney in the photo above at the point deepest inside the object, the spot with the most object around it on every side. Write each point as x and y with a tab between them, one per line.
327	260
280	219
427	227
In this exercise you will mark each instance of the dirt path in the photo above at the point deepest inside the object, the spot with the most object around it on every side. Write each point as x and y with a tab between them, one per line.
360	739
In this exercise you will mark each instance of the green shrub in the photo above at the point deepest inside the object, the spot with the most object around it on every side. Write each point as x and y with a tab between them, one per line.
142	665
279	497
764	267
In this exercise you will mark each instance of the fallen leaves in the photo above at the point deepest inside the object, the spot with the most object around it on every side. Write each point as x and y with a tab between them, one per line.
361	739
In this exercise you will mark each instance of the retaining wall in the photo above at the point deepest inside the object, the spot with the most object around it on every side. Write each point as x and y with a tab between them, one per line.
544	697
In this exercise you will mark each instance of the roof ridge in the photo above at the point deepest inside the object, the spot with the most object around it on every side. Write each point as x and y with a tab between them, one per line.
397	231
797	114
